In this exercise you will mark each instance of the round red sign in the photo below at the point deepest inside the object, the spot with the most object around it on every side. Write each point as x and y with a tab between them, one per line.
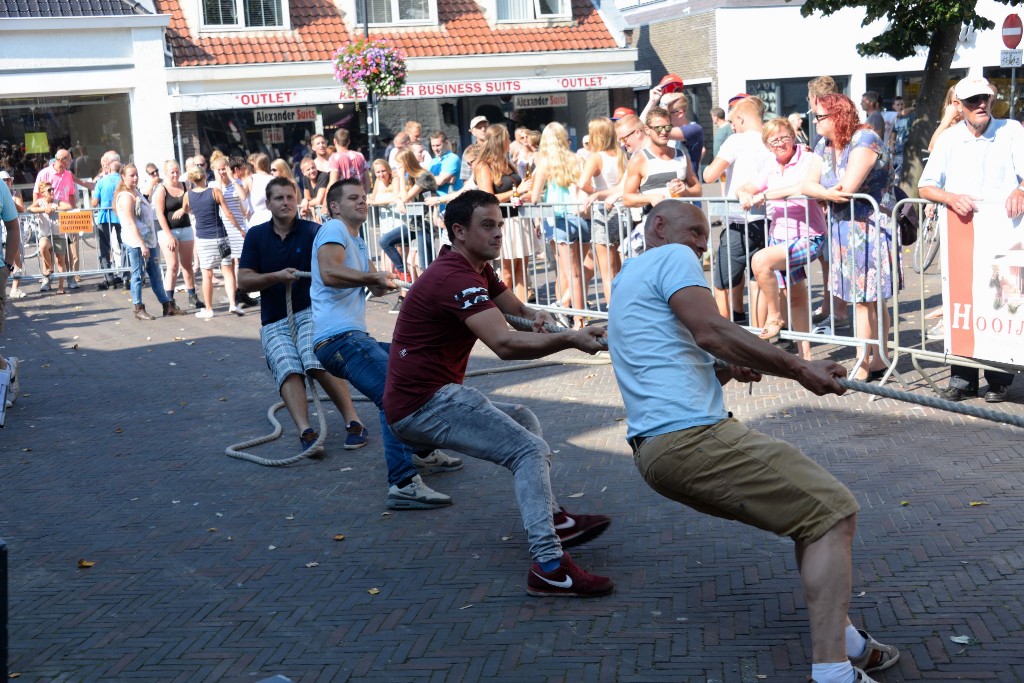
1012	31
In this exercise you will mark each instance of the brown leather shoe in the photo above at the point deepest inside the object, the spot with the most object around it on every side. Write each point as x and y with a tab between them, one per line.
141	314
171	308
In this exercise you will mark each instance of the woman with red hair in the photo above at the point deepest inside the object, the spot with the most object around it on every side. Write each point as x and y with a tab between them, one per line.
851	159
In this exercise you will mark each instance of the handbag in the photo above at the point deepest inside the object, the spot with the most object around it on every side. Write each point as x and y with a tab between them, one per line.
224	247
907	220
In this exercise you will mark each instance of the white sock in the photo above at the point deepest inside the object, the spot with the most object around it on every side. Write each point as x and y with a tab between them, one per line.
855	642
840	672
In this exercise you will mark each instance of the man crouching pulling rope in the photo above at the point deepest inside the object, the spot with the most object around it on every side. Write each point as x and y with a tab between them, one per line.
456	301
664	334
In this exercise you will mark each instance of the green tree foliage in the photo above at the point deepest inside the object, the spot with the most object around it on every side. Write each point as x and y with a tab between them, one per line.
914	26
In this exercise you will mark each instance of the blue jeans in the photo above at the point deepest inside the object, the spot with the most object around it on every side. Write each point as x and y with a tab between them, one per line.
506	434
363	361
391	238
152	268
425	245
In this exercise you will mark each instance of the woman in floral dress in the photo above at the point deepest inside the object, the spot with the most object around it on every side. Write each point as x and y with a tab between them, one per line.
851	159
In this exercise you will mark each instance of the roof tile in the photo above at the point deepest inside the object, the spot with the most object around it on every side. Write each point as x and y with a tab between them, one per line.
318	30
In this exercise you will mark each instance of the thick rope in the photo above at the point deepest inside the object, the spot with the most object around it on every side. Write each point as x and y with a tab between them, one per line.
864	387
527	325
235	450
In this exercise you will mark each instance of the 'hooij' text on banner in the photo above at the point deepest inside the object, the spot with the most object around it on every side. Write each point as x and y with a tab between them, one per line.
983	284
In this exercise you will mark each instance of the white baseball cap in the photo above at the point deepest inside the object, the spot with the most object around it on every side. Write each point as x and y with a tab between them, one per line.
476	121
969	87
4	175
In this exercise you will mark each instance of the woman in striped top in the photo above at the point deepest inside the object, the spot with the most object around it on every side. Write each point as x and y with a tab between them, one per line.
227	178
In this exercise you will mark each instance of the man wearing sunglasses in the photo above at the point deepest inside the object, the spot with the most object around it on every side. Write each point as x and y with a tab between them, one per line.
978	159
658	171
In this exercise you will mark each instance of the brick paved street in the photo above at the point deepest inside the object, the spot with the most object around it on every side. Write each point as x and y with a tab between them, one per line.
114	454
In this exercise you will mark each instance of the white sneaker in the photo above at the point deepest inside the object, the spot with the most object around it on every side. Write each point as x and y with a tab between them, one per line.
936	331
436	461
416	496
17	293
236	310
15	386
204	313
72	283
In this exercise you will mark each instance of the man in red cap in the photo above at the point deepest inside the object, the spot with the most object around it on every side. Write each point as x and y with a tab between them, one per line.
685	136
622	112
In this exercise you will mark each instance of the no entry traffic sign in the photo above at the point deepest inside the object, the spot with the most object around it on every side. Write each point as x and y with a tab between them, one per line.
1012	31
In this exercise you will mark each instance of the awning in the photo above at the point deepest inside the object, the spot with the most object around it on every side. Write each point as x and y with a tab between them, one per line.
252	99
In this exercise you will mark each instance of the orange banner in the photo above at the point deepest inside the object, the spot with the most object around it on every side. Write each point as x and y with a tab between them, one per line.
75	221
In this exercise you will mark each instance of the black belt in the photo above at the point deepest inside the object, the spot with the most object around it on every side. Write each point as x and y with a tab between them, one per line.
636	442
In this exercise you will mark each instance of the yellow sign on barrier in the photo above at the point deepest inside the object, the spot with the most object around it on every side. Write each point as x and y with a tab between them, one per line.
75	221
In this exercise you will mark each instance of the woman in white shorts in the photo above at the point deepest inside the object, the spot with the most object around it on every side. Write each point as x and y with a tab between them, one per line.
177	237
226	174
212	245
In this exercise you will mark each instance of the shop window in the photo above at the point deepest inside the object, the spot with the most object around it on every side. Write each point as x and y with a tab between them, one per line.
532	10
397	11
228	14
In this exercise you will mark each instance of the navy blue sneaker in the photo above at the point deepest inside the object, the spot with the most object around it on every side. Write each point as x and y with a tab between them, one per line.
356	436
308	438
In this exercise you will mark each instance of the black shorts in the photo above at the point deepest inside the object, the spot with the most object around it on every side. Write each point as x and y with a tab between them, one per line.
736	246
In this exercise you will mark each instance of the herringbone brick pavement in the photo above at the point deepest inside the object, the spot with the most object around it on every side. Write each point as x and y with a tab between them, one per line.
114	454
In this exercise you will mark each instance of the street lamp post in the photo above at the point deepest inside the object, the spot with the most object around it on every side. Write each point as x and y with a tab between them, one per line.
372	122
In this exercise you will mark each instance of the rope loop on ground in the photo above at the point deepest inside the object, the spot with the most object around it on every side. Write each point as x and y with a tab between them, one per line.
237	450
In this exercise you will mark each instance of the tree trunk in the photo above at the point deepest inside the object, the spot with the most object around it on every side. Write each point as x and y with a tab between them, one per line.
928	110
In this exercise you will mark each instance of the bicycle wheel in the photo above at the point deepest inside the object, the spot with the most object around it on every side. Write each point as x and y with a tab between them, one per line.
927	245
29	236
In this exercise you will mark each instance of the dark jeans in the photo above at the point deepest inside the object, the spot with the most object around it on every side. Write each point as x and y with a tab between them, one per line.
363	361
967	378
103	231
389	242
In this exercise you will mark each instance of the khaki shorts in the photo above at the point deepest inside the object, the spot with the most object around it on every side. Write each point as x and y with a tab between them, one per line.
730	471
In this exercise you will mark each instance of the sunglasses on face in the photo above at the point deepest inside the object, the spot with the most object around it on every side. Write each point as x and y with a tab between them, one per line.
629	135
821	117
775	142
975	100
661	129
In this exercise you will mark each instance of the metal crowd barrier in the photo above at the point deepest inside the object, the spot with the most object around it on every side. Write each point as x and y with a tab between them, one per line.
910	339
548	251
70	234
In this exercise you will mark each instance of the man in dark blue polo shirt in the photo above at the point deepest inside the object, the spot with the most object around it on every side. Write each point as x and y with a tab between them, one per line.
272	255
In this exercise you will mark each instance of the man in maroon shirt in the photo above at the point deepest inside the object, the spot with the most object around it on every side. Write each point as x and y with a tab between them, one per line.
456	301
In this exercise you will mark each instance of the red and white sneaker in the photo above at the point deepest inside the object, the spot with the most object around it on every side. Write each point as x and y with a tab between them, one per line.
573	529
567	580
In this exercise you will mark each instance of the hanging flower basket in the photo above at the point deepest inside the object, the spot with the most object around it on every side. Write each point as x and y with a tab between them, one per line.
369	66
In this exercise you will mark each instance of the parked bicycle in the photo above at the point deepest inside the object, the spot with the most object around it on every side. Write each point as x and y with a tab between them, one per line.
927	245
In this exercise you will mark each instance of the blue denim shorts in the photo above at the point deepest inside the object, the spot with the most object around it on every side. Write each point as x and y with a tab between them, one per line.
567	229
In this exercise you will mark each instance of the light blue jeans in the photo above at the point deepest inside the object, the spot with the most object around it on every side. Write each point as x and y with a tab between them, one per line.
363	361
507	434
152	268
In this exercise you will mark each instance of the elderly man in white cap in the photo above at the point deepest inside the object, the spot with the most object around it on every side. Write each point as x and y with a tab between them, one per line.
980	158
478	127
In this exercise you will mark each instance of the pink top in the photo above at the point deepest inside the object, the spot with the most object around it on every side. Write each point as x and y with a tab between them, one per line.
793	218
63	184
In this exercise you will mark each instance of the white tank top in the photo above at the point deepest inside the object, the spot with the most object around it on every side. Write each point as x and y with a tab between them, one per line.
609	175
258	199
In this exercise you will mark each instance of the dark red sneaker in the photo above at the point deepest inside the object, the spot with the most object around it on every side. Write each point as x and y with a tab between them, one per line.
567	580
573	529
